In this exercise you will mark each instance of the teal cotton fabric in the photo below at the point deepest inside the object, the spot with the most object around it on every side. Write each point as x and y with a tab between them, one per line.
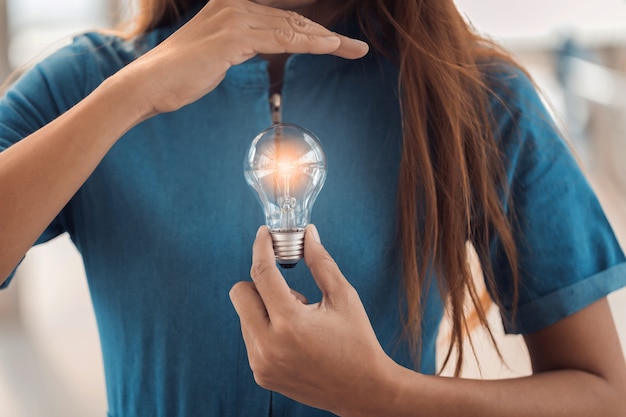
166	222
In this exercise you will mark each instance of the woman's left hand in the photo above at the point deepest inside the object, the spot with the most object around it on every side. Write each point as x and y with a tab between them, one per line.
325	354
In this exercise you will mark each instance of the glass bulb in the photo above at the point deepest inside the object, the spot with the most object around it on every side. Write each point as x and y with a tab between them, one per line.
286	166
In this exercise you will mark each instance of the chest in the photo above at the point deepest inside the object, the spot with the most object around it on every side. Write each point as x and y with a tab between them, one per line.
172	190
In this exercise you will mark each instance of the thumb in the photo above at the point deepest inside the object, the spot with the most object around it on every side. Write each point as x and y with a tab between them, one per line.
325	271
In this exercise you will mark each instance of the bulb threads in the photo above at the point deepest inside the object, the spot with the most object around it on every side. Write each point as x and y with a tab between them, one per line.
288	246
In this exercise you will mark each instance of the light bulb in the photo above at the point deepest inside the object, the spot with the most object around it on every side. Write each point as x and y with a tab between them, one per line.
286	166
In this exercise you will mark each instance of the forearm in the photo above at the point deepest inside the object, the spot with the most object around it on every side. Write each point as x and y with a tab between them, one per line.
42	172
561	393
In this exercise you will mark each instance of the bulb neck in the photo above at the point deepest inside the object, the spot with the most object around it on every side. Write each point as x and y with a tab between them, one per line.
288	246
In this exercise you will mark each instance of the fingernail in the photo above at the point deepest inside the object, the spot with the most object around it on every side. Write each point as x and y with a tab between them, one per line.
314	233
258	232
360	44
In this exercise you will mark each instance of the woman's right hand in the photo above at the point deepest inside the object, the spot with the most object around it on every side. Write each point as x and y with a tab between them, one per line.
194	60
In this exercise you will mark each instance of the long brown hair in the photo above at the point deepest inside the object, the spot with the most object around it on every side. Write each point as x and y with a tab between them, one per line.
451	172
451	178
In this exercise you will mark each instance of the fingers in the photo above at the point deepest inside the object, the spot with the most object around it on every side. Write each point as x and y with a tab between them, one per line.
325	271
278	41
274	31
351	48
269	282
249	305
295	31
290	41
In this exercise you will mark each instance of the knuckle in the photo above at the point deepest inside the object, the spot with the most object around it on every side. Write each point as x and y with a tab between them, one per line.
283	325
343	297
350	296
238	288
299	22
285	36
350	293
260	269
229	13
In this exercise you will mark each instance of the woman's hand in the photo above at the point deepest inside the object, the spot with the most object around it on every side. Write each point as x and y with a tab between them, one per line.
326	354
194	60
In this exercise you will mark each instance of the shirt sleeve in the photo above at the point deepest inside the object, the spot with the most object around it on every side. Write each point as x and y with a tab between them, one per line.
568	254
41	94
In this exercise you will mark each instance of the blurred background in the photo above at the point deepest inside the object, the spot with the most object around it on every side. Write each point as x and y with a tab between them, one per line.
50	362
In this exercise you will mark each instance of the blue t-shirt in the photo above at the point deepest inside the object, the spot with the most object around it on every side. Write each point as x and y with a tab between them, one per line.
166	222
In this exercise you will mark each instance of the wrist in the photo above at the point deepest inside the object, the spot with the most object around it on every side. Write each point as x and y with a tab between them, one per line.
379	394
128	90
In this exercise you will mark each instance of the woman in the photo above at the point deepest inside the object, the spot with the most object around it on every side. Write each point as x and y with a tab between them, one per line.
133	145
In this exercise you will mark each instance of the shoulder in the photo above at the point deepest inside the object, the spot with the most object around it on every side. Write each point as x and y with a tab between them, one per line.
57	82
106	49
523	124
75	69
511	89
94	56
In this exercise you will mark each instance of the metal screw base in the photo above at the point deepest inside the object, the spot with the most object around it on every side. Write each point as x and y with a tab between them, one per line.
288	246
